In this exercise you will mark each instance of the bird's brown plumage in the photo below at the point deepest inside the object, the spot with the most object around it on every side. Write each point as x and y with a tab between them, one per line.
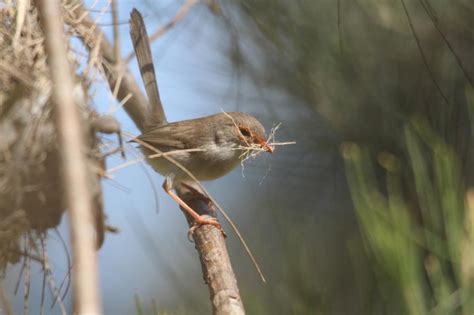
219	137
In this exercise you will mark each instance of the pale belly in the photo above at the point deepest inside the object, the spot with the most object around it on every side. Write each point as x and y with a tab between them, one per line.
206	165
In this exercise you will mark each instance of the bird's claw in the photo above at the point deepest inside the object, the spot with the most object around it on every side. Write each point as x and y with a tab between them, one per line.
203	221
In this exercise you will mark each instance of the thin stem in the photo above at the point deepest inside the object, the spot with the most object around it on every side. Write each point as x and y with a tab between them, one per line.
73	162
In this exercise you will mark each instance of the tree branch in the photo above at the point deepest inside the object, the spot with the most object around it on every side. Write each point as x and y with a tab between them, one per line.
215	262
137	105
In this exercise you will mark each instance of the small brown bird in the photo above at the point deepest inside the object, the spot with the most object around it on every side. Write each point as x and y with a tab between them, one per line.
218	142
221	141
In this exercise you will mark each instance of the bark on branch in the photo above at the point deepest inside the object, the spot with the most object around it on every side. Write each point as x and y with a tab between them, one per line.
215	262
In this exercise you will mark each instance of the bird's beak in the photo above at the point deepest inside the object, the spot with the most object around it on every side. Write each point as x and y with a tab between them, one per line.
267	147
264	145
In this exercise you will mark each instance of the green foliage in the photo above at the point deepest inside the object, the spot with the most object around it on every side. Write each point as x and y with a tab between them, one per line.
421	243
152	309
358	64
394	79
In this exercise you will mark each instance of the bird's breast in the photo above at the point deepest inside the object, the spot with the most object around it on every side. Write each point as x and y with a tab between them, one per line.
212	162
215	161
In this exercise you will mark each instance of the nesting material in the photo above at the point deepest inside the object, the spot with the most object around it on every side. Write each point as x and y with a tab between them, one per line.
31	193
252	150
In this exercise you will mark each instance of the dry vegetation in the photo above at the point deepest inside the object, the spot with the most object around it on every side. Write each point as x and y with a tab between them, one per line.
31	193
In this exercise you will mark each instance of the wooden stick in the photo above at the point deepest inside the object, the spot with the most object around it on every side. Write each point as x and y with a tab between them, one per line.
73	162
215	262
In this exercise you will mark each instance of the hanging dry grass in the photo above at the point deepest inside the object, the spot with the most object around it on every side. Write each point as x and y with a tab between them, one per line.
31	194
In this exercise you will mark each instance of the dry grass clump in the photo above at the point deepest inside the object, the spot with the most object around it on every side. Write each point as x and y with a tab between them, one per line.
31	194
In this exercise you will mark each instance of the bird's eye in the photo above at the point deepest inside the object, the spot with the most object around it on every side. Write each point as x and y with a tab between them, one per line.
245	132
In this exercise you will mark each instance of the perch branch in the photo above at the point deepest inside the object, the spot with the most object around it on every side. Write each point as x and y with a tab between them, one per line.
73	162
215	262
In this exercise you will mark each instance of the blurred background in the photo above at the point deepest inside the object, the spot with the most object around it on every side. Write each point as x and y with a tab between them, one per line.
370	212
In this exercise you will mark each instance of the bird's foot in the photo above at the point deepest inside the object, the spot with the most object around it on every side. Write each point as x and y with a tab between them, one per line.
203	220
196	194
198	218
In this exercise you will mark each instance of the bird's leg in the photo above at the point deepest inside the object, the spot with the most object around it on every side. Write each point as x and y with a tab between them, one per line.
199	195
199	219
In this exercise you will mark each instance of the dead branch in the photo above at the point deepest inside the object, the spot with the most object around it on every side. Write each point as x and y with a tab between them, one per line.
80	20
215	262
116	31
73	162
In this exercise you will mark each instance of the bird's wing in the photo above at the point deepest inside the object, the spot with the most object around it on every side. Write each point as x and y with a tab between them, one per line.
178	135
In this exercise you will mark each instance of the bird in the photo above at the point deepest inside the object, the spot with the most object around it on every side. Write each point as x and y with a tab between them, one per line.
208	147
